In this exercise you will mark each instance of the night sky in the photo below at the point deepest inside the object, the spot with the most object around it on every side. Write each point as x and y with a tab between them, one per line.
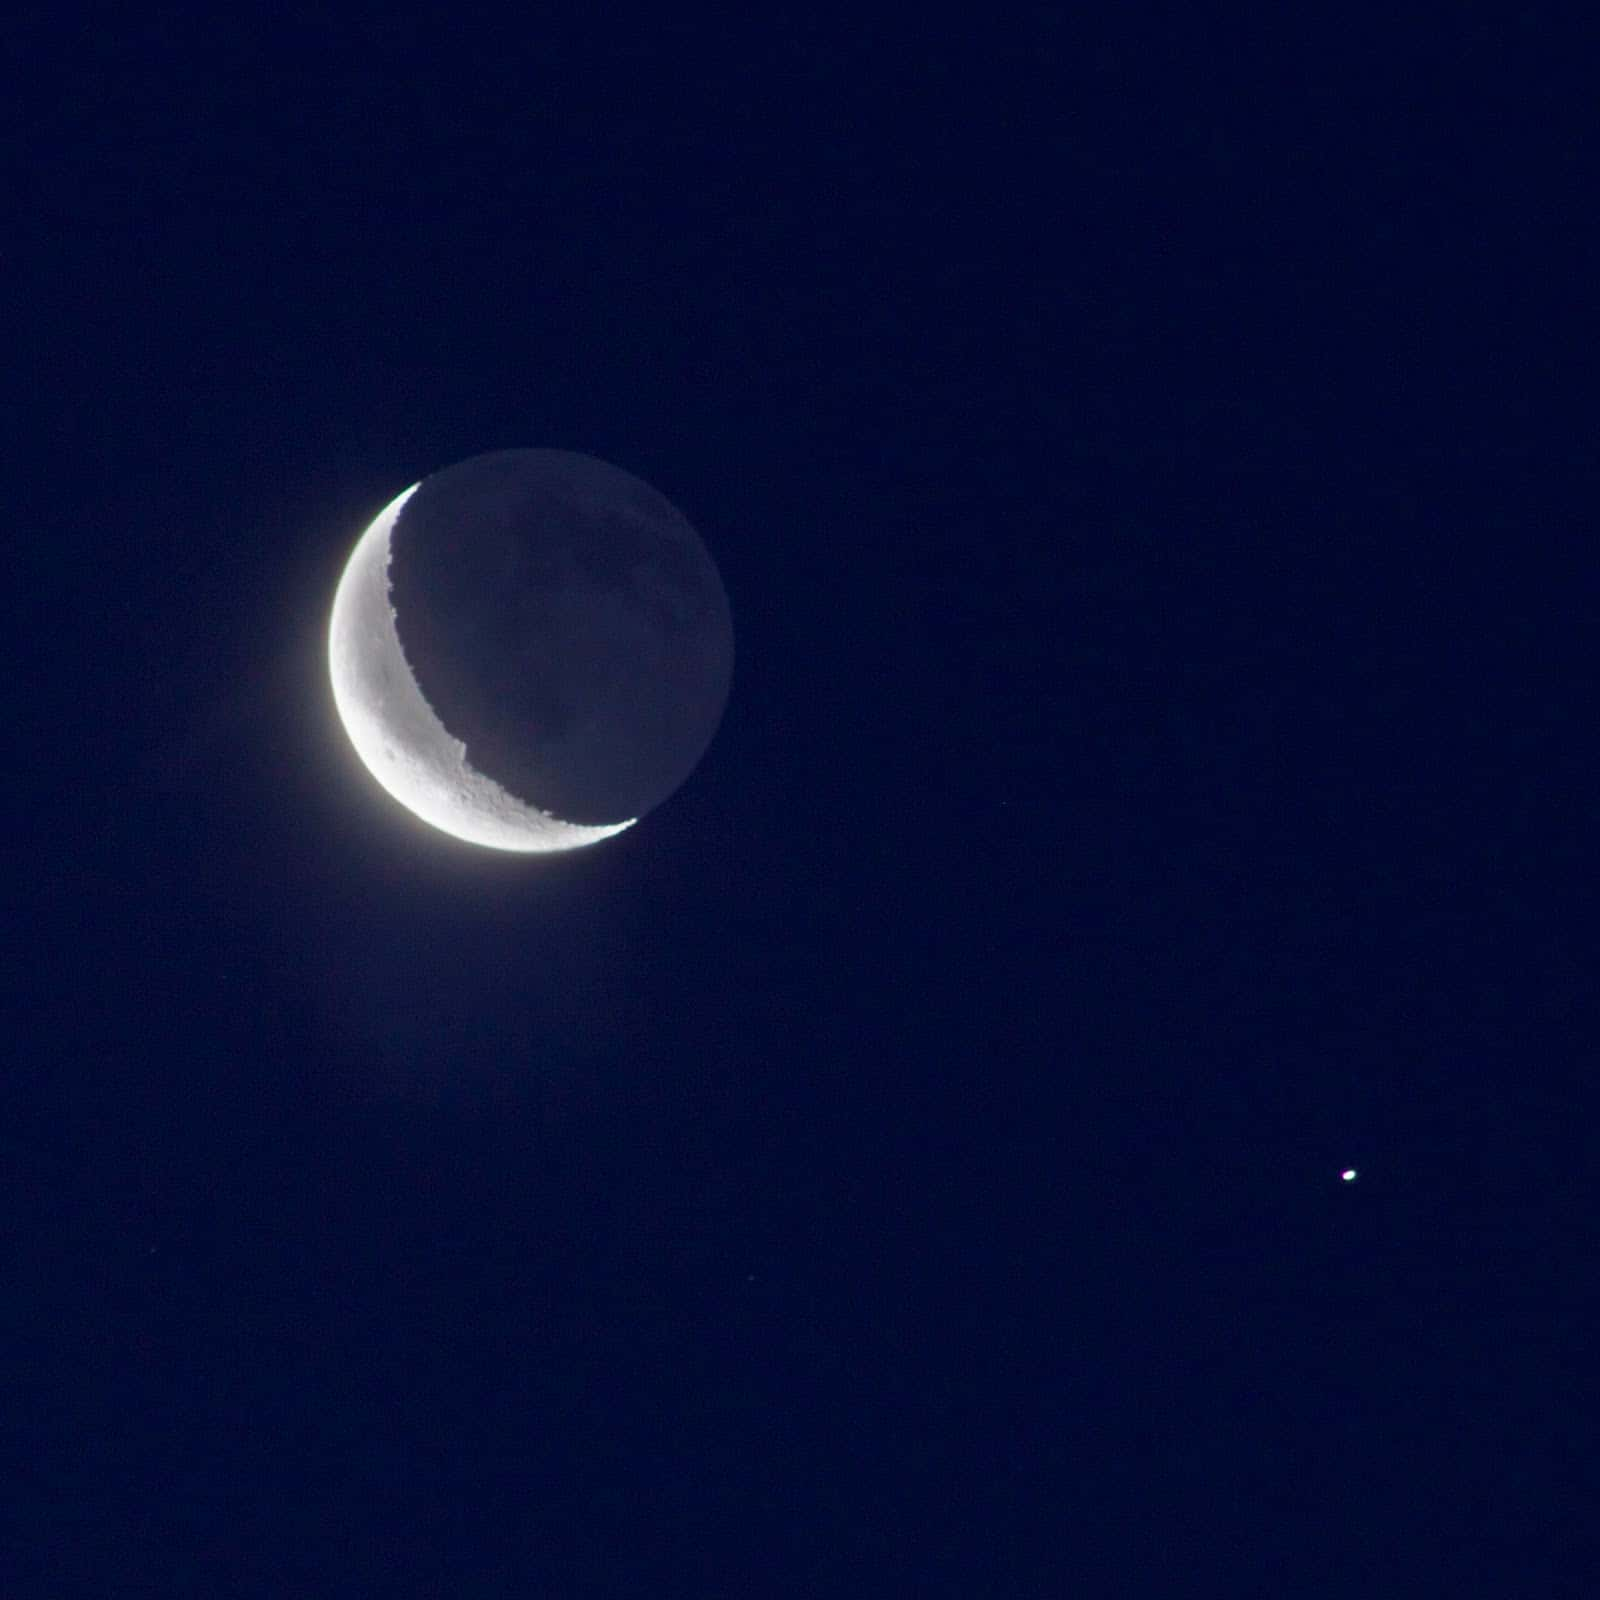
1151	462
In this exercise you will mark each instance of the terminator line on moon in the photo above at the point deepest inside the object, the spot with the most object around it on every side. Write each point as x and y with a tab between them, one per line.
530	649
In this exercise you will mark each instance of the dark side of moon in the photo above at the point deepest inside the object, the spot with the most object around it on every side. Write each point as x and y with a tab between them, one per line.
566	623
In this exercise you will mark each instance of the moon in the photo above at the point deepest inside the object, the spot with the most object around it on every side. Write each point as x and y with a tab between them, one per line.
530	649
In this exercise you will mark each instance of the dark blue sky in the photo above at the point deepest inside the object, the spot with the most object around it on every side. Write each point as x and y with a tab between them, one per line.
1151	465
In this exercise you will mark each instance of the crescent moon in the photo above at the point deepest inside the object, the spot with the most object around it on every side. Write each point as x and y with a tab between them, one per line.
396	732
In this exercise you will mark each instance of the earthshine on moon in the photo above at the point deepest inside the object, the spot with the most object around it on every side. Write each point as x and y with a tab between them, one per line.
530	649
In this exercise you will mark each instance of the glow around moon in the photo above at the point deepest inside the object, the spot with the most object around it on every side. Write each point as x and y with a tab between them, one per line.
396	732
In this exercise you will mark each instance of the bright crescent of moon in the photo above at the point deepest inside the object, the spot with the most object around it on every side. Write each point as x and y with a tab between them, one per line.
395	731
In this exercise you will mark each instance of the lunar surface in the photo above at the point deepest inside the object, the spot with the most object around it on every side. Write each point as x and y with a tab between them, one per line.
530	649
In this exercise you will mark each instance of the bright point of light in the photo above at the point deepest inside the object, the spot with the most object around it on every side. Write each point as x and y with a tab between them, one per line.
1349	1174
